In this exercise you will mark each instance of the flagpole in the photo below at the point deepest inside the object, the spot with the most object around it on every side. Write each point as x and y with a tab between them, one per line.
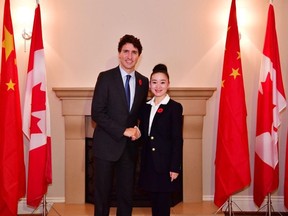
270	208
230	206
44	205
229	203
269	204
45	209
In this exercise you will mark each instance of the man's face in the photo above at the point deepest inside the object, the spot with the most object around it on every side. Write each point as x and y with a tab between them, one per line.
128	57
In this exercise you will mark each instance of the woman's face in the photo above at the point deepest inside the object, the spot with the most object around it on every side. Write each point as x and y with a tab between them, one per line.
159	84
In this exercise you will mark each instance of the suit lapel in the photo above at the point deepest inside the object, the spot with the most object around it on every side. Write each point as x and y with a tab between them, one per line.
158	115
138	90
119	85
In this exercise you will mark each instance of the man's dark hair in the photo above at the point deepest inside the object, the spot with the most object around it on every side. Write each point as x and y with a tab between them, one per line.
130	39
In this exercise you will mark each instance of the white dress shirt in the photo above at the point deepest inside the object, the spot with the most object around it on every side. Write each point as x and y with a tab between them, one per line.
132	83
154	108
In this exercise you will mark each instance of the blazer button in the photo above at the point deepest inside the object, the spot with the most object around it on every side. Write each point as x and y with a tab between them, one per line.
153	149
152	138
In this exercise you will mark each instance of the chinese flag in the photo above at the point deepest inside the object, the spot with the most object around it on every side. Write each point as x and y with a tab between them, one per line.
12	171
232	166
286	176
36	119
271	101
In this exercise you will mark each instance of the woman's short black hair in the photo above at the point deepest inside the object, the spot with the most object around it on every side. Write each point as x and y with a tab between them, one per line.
160	68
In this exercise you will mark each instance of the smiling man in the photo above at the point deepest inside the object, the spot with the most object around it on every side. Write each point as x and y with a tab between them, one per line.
119	93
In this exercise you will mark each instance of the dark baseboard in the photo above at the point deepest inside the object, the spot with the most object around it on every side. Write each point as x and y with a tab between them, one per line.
29	214
256	213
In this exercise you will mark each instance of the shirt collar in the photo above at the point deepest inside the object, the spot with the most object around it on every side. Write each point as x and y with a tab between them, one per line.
164	101
124	73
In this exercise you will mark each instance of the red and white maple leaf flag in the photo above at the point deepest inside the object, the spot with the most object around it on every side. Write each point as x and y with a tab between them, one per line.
232	166
271	101
286	176
36	119
12	168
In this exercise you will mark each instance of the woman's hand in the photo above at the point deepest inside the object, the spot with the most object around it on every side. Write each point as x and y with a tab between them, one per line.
173	175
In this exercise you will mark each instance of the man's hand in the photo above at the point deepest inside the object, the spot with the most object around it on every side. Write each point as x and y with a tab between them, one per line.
133	133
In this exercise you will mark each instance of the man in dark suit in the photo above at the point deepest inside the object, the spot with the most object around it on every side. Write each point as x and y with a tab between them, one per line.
115	112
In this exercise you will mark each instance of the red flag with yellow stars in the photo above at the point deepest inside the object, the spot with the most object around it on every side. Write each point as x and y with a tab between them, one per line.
12	171
232	166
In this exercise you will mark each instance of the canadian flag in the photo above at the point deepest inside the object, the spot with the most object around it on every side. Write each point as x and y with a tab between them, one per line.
36	119
286	176
271	101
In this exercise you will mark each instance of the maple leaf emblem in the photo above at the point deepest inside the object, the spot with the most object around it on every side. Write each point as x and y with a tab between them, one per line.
38	109
265	107
38	98
34	128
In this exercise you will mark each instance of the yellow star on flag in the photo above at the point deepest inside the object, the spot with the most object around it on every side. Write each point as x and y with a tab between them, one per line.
10	85
239	55
8	43
235	73
222	83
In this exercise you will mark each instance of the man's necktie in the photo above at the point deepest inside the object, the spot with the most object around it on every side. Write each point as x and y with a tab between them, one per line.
127	90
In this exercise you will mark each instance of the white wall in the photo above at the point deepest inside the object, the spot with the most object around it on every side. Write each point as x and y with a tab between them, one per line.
81	37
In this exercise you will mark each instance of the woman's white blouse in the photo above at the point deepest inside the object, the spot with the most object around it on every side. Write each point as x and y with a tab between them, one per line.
154	109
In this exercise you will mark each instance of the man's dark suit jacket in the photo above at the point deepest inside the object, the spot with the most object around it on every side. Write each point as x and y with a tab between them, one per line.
111	114
162	149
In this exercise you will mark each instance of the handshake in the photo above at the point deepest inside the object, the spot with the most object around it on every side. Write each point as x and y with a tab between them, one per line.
133	133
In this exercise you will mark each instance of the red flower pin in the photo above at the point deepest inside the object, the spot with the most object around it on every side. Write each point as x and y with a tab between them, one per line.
160	110
140	82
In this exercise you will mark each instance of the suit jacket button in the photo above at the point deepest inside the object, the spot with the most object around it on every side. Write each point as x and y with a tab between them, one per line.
152	138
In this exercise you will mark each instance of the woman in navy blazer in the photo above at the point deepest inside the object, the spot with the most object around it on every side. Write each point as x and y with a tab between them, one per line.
161	157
